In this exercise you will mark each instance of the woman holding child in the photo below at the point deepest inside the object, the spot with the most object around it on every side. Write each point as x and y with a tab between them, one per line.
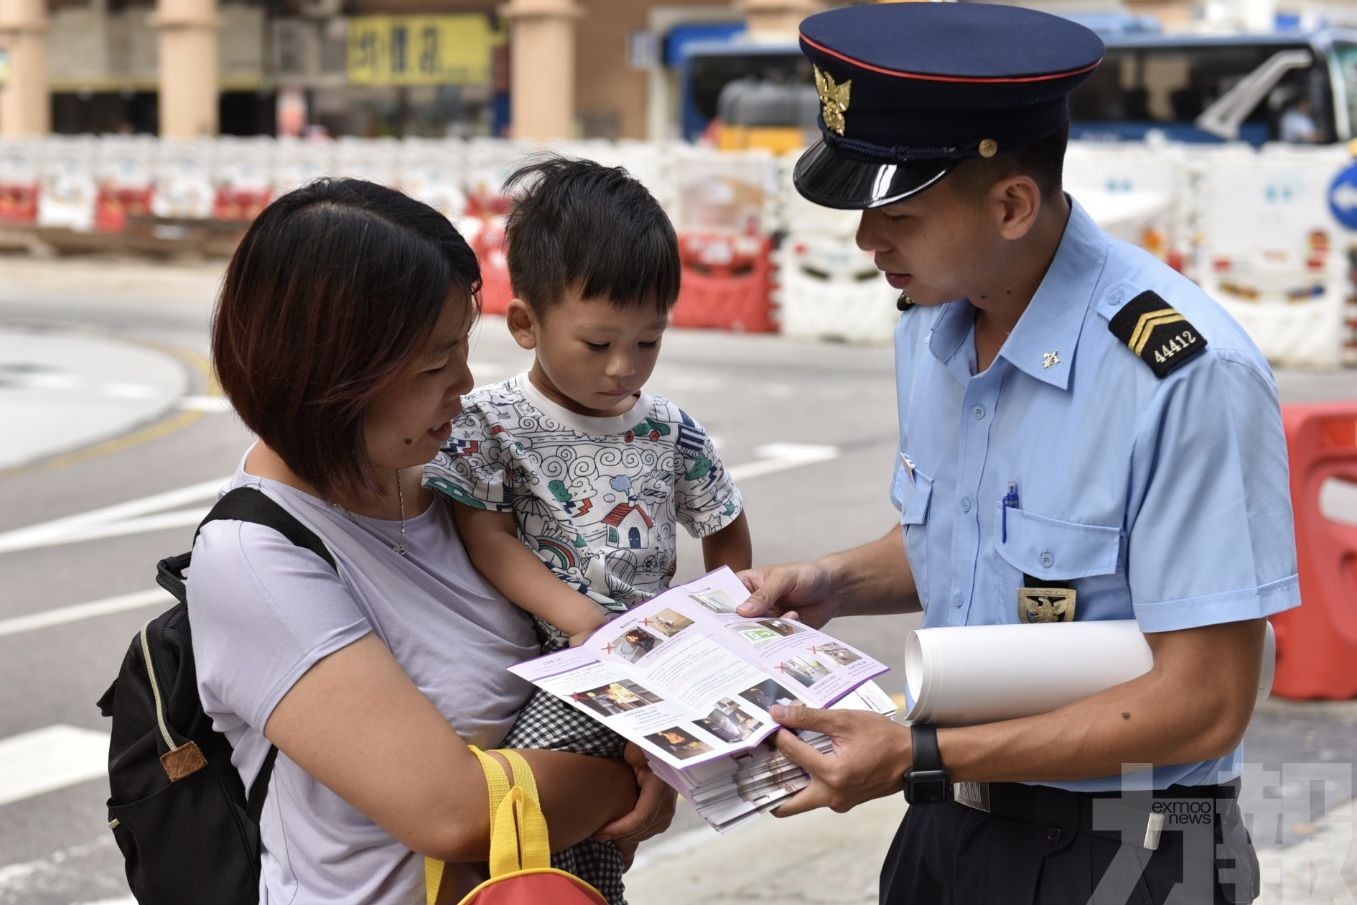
341	339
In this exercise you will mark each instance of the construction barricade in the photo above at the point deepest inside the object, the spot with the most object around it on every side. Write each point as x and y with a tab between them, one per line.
724	213
19	170
1137	192
487	240
183	180
1317	642
726	283
1271	253
828	288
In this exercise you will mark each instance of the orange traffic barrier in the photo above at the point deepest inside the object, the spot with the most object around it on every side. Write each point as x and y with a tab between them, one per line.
496	290
727	283
115	205
239	204
1317	642
18	202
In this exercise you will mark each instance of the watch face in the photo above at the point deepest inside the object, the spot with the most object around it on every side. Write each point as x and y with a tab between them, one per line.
927	786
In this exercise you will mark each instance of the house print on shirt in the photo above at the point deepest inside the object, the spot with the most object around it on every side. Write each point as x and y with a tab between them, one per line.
628	527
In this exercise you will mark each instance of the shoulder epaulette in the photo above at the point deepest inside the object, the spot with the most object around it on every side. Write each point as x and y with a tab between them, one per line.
1155	331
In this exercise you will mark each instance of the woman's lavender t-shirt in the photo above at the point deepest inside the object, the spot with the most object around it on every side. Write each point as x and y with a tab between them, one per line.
265	611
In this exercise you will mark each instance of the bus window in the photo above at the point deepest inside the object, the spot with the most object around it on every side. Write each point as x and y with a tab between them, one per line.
1345	60
1166	87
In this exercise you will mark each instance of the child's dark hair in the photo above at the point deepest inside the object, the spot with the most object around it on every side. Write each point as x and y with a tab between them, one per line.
580	226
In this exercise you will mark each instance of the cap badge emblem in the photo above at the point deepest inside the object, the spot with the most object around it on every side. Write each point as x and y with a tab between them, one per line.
833	99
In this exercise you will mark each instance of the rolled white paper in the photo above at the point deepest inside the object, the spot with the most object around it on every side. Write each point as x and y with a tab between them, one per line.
963	675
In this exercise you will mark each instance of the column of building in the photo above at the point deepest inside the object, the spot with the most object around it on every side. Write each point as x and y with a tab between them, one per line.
187	67
25	107
542	67
776	20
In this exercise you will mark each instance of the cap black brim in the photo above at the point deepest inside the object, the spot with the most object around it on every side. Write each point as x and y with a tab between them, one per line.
829	179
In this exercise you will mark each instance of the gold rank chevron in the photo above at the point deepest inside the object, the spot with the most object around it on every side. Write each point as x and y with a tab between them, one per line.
1145	326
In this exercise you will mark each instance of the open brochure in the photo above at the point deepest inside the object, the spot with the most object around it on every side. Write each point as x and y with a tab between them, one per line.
691	682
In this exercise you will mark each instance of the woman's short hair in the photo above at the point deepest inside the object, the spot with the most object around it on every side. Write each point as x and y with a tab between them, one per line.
330	292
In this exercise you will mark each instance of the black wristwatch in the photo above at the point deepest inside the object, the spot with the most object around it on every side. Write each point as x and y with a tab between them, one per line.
927	780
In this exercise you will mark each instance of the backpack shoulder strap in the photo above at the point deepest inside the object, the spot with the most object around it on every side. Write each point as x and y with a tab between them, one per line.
246	504
242	504
249	504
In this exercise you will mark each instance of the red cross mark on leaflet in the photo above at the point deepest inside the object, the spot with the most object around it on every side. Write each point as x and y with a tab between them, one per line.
608	648
815	648
782	667
647	622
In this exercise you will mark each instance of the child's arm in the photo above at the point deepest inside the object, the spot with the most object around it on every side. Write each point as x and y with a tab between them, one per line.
729	546
492	542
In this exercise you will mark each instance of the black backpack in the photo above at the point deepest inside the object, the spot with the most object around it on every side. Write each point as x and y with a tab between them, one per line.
178	810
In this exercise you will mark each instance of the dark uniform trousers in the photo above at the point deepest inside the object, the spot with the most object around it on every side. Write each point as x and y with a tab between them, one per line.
1044	846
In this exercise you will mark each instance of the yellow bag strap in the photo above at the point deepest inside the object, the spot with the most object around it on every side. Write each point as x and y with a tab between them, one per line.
518	828
518	834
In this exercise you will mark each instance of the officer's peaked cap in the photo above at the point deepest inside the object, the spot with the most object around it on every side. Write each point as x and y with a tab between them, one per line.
907	90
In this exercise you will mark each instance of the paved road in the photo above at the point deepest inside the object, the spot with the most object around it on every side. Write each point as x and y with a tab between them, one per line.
115	439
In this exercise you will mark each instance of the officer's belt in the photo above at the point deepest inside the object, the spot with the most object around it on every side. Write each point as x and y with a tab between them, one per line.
1126	816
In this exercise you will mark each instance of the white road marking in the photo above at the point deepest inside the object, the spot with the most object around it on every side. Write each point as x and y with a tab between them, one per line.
135	516
132	518
105	522
43	760
79	611
212	405
775	457
128	391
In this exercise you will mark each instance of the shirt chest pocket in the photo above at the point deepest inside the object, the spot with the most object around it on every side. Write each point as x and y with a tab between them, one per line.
913	493
1048	548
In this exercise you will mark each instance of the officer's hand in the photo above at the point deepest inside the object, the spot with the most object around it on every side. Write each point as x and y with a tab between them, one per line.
799	590
871	755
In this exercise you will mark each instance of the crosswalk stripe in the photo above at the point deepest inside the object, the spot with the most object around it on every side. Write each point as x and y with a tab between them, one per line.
43	760
62	615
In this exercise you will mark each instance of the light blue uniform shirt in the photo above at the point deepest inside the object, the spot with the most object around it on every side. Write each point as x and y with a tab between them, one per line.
1163	500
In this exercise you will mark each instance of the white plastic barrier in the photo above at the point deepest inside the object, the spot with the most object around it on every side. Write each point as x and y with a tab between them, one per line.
374	159
723	192
828	288
1136	192
432	171
68	189
1272	253
295	163
184	173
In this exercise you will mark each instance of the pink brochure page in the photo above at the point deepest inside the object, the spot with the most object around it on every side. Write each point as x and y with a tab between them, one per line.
807	664
814	666
690	680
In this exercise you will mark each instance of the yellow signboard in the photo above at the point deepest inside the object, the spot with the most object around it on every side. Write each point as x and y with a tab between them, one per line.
421	50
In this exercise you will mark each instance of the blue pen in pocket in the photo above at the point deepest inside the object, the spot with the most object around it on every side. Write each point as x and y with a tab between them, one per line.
1010	501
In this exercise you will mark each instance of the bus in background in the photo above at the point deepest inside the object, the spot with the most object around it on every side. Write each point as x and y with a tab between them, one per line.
739	95
1257	88
1299	87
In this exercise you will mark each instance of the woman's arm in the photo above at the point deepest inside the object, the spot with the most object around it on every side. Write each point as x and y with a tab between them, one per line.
359	725
730	546
492	542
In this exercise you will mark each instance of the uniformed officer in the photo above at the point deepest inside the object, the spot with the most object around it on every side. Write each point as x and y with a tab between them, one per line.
1083	435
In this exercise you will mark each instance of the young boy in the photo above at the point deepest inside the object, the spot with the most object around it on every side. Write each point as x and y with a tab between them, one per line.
570	480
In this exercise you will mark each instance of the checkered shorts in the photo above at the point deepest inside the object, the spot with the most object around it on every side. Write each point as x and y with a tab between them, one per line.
548	722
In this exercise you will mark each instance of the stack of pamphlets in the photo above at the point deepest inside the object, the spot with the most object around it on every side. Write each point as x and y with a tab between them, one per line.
691	681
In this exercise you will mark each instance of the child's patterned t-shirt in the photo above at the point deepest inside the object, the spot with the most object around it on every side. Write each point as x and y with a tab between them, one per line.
597	499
